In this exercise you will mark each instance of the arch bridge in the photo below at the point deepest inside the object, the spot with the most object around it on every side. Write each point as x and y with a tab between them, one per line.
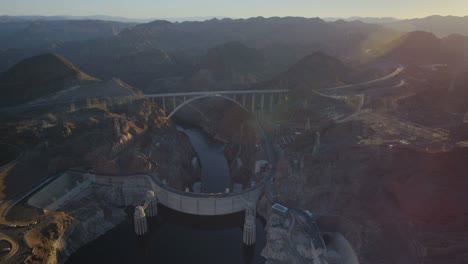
249	100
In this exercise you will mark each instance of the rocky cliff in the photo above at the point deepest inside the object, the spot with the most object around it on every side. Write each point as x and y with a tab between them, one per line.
406	197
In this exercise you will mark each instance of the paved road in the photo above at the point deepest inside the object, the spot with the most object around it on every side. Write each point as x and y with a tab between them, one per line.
384	78
14	248
5	212
291	247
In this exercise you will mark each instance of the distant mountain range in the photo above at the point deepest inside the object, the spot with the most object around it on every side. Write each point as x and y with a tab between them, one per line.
424	48
371	20
162	55
5	18
441	26
33	34
281	41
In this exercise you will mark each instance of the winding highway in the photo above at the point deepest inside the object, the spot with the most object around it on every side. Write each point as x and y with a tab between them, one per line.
13	249
396	72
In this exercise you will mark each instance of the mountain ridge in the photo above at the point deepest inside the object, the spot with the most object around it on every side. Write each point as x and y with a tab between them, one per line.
50	77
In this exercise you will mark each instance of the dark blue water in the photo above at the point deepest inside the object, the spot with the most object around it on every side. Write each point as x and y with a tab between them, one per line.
175	237
215	169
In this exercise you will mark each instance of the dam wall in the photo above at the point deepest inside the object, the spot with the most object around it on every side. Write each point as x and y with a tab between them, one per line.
132	190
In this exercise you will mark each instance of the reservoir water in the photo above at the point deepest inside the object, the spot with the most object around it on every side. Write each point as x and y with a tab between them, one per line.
175	237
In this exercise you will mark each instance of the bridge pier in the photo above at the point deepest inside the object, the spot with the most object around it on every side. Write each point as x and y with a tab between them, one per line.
173	102
317	142
262	102
151	204
243	100
307	126
249	224
253	102
139	217
164	104
271	103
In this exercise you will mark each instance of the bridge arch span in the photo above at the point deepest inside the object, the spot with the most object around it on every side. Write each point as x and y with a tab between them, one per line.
205	96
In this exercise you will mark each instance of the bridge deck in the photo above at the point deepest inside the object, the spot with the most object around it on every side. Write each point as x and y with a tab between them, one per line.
215	92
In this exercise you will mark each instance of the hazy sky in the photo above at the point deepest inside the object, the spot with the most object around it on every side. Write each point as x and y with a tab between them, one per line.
236	8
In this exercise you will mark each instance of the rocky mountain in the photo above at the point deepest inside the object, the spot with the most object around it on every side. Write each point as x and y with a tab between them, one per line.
305	34
231	64
147	55
446	93
50	77
418	47
161	55
441	26
39	76
302	36
457	44
317	70
457	100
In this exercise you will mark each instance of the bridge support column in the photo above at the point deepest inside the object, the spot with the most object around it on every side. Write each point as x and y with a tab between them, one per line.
307	126
249	224
164	104
173	103
243	100
141	225
262	102
185	98
152	206
235	97
280	98
271	103
253	102
317	143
